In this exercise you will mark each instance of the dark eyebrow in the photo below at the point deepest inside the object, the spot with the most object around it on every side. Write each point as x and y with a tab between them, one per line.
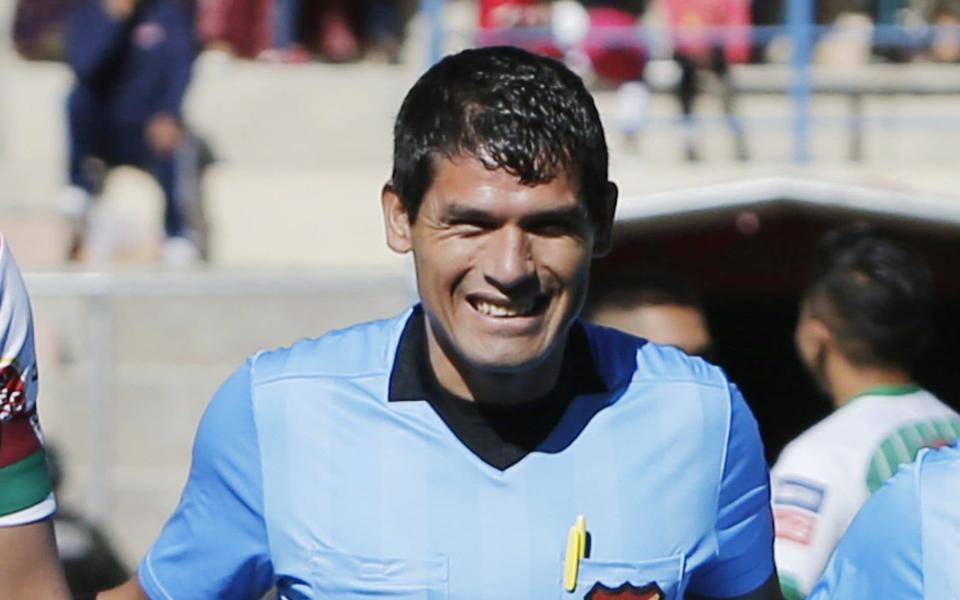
466	213
572	212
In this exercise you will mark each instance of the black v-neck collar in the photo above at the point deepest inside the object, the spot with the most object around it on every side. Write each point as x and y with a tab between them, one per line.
499	436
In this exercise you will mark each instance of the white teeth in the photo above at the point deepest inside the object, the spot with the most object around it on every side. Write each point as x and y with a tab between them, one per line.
500	310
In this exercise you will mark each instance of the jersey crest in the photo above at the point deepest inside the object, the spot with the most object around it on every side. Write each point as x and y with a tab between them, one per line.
625	591
13	392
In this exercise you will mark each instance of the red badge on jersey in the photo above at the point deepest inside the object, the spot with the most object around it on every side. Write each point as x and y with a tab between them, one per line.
794	525
625	591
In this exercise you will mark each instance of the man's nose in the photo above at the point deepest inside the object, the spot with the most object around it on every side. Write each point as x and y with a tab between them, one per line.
509	260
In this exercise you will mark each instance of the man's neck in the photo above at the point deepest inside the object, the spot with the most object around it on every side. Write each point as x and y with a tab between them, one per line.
847	381
495	388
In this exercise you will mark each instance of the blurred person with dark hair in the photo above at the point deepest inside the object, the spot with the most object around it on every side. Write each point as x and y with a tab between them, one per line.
28	552
698	49
905	541
38	28
864	319
89	561
656	306
459	449
132	60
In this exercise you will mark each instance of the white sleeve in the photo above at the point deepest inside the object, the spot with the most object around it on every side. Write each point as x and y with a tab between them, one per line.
25	486
814	500
16	338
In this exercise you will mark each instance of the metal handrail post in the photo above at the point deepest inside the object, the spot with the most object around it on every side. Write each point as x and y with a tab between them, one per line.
800	25
101	409
433	14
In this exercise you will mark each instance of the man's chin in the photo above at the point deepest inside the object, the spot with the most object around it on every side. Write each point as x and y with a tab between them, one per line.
506	365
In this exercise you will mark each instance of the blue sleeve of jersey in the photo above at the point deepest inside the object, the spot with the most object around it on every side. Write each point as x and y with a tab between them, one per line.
880	555
744	559
215	544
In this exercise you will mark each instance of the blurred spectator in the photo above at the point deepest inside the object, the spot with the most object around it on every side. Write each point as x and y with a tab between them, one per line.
240	28
287	46
614	53
656	306
617	53
337	25
338	30
37	28
89	560
132	60
946	42
598	39
520	23
698	47
385	27
864	319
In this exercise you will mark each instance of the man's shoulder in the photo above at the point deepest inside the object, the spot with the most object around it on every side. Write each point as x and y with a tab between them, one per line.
359	350
625	357
834	449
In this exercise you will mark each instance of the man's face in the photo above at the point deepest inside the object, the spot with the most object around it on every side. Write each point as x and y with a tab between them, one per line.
502	267
670	324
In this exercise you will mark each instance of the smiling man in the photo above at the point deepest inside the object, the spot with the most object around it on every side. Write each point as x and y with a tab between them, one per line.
485	443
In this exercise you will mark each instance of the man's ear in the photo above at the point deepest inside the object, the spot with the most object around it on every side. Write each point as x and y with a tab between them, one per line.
396	220
812	335
603	223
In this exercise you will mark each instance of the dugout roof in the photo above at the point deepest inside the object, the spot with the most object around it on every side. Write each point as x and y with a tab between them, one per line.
747	247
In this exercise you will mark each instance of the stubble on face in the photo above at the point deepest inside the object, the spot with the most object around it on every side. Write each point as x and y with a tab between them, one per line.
502	269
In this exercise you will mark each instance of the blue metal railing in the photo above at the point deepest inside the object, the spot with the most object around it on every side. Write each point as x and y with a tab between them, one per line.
799	28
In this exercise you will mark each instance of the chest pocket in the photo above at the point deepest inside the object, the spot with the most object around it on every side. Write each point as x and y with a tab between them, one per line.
349	577
659	579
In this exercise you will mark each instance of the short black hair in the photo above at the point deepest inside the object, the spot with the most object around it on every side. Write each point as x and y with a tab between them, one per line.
527	114
874	294
640	287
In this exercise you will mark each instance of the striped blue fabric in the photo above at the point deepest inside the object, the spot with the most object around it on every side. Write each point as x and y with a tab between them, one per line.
905	541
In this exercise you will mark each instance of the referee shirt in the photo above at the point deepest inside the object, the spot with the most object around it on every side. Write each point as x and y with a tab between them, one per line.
336	469
905	543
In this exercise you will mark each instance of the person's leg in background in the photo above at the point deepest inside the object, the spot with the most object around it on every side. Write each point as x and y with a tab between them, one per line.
286	43
178	175
728	97
86	124
384	28
687	90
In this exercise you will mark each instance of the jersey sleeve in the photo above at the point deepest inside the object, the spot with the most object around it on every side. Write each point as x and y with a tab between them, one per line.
744	529
810	512
215	544
26	493
880	555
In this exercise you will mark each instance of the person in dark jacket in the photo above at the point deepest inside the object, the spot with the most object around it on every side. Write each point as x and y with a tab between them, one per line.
132	60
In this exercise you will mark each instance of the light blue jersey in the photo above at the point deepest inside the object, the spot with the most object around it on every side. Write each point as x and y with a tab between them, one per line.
905	542
306	477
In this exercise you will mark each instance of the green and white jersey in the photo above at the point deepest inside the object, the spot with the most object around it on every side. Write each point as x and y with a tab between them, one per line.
25	489
825	475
